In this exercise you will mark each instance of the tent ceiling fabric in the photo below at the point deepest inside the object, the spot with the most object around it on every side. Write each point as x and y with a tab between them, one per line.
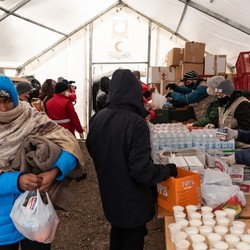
29	27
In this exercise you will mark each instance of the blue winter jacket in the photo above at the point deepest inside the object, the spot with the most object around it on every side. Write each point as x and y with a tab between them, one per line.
188	95
9	192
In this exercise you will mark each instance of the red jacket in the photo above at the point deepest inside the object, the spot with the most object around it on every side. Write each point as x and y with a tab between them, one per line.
151	111
60	109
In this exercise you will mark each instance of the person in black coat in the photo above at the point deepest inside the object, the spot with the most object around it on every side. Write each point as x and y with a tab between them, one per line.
119	144
102	93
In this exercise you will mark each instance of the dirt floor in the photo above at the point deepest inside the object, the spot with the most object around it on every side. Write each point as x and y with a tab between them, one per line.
84	227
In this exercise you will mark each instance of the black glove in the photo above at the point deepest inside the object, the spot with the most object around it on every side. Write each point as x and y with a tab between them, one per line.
168	95
171	86
173	169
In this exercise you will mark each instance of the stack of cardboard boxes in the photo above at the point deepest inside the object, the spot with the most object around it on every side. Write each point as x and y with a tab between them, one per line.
193	59
180	60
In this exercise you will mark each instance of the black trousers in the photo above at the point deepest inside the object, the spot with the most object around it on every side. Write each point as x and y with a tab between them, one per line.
27	245
127	238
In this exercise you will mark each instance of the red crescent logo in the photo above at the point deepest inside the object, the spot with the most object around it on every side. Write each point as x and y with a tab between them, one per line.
118	46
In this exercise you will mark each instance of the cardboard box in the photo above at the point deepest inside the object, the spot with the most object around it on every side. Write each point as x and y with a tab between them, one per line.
194	52
183	190
236	172
182	69
245	187
175	57
221	133
156	74
193	161
215	64
180	162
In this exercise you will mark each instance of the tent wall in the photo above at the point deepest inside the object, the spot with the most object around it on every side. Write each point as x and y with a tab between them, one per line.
167	24
69	60
72	58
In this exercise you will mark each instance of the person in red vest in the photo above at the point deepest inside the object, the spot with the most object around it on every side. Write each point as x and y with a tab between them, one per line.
147	93
146	90
61	109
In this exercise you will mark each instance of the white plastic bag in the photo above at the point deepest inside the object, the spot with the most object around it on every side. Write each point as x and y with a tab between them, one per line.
158	100
216	177
215	195
33	218
217	188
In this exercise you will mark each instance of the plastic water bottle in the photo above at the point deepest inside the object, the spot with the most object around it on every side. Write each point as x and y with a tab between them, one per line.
168	140
211	141
231	144
155	142
181	141
204	141
217	143
195	139
223	144
161	141
175	141
188	140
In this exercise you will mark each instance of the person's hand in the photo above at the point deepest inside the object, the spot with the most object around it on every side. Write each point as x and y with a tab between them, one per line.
189	125
168	95
209	126
169	99
67	93
168	104
230	160
29	182
151	90
173	169
72	89
231	134
148	118
171	86
48	177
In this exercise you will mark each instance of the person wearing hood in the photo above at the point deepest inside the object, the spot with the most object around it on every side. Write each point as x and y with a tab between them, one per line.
234	109
19	121
194	93
119	144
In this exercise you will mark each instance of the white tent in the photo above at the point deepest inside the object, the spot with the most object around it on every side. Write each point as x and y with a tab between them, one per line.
76	39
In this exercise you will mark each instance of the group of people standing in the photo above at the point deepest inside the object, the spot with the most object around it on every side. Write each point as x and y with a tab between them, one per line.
22	125
56	99
118	142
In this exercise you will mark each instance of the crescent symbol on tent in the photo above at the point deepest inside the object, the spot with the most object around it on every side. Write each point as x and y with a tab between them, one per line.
118	46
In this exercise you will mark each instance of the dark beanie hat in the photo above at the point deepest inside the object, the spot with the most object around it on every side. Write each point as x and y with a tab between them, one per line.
225	87
24	87
8	89
60	87
190	75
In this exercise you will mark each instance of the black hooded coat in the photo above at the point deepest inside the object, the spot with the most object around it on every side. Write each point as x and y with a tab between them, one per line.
119	143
